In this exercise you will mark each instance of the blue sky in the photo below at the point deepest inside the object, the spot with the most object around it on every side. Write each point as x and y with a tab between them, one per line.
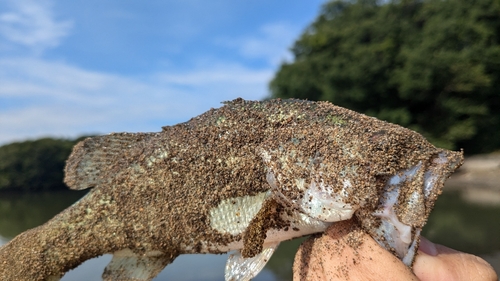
77	67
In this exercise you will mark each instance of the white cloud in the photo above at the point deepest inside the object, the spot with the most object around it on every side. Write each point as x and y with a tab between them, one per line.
271	43
230	74
32	24
55	99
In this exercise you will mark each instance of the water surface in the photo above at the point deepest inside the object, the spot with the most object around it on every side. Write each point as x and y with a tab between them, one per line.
468	227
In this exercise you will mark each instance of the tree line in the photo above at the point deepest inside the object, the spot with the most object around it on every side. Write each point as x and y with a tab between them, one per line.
430	65
35	165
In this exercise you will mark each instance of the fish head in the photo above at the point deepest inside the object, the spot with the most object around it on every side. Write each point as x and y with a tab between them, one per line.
388	179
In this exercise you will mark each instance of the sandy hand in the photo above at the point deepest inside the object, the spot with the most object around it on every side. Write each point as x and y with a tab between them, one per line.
345	252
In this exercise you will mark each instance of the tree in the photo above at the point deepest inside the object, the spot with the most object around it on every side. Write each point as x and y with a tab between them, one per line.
432	66
34	165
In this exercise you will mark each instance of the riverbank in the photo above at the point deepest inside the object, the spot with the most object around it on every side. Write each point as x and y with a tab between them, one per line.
478	179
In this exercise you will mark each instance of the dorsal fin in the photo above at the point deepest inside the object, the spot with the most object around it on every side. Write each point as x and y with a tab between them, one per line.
94	160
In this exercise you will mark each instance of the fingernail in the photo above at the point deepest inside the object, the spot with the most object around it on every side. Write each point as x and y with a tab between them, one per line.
428	247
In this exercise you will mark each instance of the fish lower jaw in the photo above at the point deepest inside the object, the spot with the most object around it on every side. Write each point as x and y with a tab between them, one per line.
403	230
392	233
395	233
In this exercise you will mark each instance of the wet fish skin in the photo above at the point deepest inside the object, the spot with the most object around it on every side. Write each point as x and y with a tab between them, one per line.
242	177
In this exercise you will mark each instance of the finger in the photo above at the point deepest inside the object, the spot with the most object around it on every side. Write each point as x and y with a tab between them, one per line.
439	263
345	252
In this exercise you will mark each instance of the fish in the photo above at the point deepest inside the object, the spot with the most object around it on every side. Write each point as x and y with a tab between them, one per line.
240	178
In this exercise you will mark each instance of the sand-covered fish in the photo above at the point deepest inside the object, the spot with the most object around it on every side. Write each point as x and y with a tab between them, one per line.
242	177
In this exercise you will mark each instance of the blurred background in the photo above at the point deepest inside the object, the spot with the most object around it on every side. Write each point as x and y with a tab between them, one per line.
80	68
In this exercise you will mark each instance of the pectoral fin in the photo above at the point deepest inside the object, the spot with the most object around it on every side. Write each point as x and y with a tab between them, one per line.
240	268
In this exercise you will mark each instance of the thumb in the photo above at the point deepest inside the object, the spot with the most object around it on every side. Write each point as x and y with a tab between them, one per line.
439	263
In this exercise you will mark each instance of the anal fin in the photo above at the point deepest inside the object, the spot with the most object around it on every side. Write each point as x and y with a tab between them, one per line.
241	269
129	266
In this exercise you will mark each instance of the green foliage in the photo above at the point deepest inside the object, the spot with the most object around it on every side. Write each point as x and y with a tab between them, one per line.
432	66
34	165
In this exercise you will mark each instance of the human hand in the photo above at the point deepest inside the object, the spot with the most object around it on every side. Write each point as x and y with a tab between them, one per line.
345	252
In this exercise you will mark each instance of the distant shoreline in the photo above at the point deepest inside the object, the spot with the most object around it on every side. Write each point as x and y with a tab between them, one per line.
478	179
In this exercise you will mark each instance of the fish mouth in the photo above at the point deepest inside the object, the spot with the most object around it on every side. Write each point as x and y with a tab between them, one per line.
407	201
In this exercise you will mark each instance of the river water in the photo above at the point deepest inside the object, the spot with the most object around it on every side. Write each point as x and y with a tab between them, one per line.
470	227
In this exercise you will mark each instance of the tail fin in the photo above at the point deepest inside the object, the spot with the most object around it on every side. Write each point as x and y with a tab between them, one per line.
95	160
